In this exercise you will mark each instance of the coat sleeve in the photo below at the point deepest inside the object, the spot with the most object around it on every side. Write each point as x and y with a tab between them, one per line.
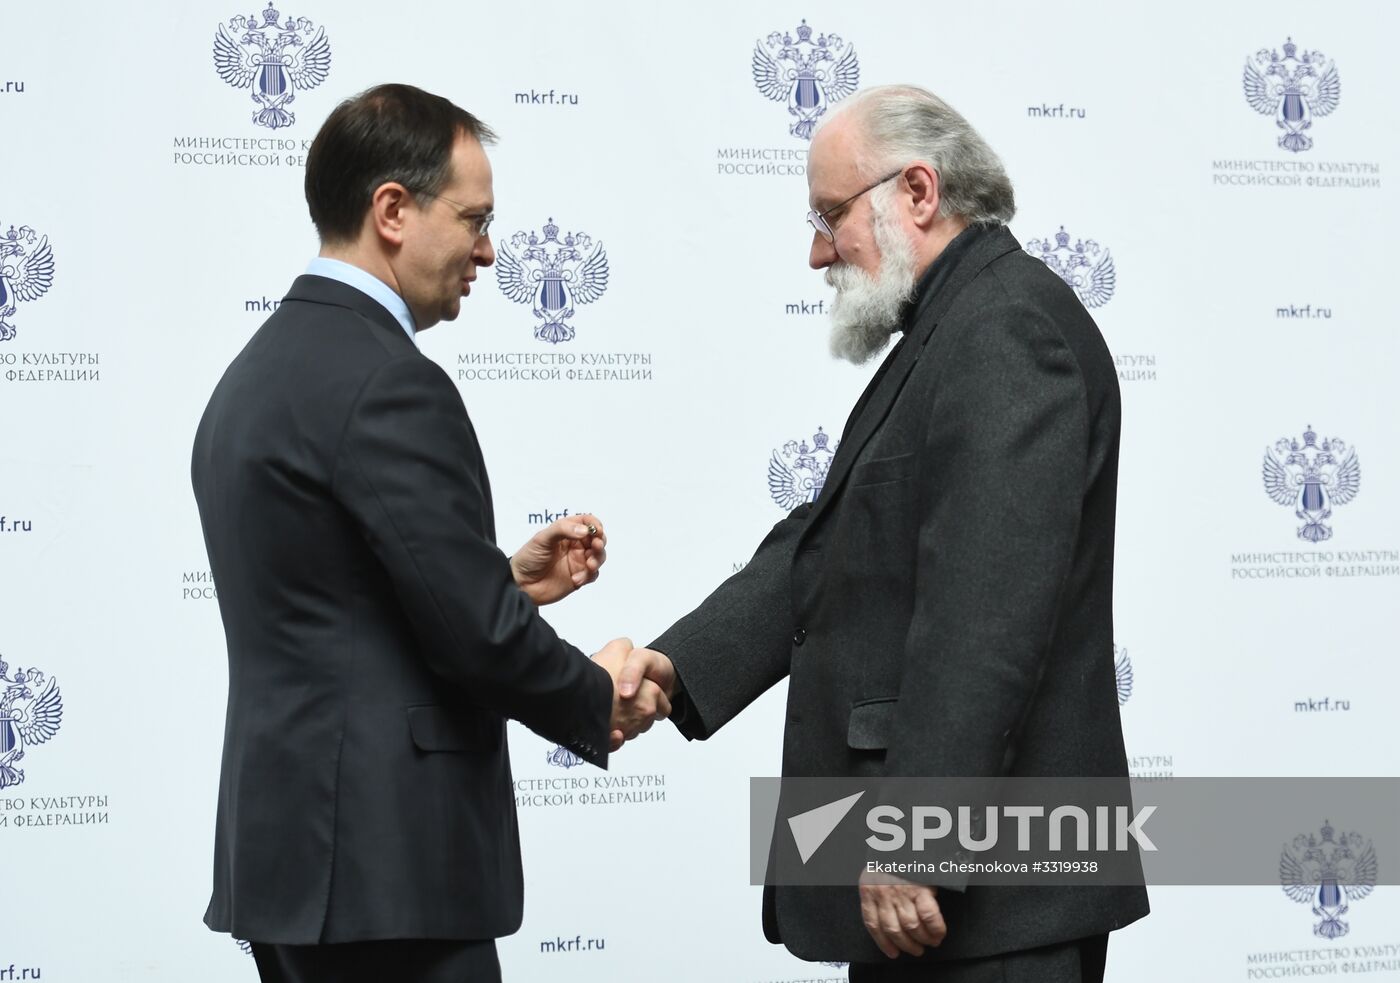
1002	475
738	642
407	470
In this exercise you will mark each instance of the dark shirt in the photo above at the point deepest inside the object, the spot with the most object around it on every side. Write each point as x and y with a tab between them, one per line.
939	270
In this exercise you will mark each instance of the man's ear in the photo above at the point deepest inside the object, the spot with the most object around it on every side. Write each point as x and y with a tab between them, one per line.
386	211
925	190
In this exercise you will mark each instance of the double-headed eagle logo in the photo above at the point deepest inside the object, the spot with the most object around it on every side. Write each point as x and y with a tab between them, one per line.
31	710
808	74
1330	872
797	472
553	275
1294	89
26	273
1311	478
274	59
1086	266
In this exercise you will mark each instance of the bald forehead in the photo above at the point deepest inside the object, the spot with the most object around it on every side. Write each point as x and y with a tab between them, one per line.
831	164
471	173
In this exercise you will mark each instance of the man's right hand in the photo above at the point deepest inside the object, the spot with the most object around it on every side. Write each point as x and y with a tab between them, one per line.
648	664
900	916
637	703
646	668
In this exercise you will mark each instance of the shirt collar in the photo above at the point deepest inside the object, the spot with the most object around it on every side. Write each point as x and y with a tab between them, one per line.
368	284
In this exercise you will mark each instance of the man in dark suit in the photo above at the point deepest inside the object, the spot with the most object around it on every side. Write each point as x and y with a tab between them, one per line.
377	638
949	592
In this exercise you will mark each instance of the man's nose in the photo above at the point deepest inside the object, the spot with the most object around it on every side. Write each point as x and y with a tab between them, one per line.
484	253
823	253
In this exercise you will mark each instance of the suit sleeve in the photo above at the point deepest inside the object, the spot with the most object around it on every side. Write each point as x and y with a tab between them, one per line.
407	472
1002	475
738	642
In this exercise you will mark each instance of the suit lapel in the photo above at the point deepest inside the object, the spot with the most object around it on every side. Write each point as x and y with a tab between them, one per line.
872	386
875	403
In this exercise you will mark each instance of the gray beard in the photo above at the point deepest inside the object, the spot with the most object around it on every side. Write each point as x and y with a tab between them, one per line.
867	308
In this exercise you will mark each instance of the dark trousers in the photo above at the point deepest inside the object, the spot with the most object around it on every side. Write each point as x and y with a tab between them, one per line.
391	961
1081	961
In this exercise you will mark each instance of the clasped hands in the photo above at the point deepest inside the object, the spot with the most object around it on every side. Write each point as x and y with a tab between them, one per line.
643	683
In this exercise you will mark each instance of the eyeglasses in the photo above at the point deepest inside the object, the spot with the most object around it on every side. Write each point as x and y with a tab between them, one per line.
480	222
817	220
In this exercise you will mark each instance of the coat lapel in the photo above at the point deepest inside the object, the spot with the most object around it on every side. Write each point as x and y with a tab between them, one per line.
887	385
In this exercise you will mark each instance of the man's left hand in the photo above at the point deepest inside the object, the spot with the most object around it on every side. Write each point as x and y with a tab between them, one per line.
560	558
900	916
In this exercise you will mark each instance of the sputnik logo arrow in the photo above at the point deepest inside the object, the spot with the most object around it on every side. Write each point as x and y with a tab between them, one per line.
810	829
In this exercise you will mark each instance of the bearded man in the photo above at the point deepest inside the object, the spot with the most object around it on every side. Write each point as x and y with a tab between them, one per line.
950	591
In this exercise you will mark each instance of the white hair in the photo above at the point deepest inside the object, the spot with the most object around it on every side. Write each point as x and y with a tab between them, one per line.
904	123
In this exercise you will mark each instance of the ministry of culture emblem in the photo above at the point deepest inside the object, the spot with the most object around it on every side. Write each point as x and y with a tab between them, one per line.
31	709
1086	266
562	757
274	59
1123	669
797	472
807	74
1329	873
552	275
1310	479
1293	89
26	273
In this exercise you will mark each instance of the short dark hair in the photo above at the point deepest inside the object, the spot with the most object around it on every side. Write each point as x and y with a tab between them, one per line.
391	132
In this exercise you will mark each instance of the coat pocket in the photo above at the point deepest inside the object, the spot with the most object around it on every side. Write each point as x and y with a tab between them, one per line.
882	470
437	728
871	723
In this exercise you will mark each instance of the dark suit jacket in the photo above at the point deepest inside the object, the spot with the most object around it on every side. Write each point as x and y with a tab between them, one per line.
945	606
376	641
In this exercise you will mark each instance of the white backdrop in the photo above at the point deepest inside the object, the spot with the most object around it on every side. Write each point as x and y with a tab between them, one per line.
1250	302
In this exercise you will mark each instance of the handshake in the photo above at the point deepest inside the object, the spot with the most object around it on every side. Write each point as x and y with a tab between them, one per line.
643	683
